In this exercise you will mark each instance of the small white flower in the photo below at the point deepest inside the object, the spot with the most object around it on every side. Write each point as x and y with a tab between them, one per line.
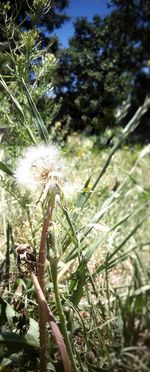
41	169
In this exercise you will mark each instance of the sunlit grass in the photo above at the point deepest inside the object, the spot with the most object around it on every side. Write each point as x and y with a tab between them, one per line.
101	290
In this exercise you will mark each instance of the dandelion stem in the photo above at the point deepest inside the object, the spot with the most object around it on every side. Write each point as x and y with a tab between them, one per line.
41	279
50	319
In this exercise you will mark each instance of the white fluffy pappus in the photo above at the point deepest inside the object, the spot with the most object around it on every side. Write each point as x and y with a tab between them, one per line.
41	168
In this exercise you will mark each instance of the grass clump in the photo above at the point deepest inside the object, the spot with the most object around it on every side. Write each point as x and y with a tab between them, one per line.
102	250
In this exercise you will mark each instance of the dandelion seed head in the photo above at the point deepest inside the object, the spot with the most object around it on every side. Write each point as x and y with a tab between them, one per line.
40	167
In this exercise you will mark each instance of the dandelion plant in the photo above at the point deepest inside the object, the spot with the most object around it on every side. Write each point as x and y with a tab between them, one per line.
41	172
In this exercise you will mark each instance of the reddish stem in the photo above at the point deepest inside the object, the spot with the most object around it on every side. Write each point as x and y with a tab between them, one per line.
42	251
41	279
50	319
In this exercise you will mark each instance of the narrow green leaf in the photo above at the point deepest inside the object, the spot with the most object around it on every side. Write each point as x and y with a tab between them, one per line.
18	342
70	223
129	128
68	237
119	247
5	168
16	103
106	205
79	283
19	108
110	262
39	121
109	265
96	244
81	196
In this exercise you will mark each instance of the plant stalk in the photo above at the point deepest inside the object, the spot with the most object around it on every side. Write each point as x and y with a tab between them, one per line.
50	319
41	279
53	263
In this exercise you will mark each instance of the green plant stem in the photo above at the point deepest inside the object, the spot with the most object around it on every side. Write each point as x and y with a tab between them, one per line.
50	319
7	268
41	279
53	263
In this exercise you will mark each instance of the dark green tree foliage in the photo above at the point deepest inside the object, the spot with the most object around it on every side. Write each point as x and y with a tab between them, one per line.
87	80
133	48
106	62
129	33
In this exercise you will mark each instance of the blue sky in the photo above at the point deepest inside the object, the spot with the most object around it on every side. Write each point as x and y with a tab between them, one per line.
78	8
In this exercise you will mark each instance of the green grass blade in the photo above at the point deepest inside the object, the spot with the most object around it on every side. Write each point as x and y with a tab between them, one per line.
71	254
109	265
15	341
16	103
94	245
135	120
118	248
19	108
106	205
130	127
5	169
39	121
81	196
79	283
70	223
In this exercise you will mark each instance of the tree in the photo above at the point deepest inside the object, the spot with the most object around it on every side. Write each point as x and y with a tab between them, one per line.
106	62
88	84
